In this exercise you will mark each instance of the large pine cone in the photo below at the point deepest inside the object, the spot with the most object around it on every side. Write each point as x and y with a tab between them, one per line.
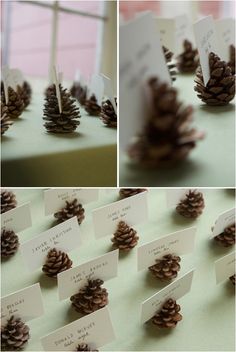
6	121
220	89
188	60
170	64
15	103
14	335
85	347
125	238
231	62
9	243
227	237
56	262
91	106
128	192
108	114
66	121
73	208
79	92
8	201
166	268
232	279
168	316
192	205
26	93
90	298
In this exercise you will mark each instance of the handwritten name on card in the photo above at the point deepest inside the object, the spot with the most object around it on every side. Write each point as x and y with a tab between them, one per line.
17	219
224	220
225	267
225	29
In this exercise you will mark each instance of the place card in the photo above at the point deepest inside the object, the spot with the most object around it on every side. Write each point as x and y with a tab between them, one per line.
224	220
55	199
95	329
178	243
96	87
17	76
133	210
225	267
166	29
108	91
65	236
225	29
104	268
174	196
17	219
175	290
26	304
183	30
7	81
58	93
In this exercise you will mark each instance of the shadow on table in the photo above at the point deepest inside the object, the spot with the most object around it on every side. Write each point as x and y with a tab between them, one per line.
154	283
152	330
72	315
46	282
216	249
72	135
217	110
5	138
122	254
178	219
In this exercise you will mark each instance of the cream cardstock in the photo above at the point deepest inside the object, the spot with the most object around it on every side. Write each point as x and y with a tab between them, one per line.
65	237
104	267
26	304
175	290
225	29
97	87
183	30
55	199
58	93
166	28
94	329
225	267
206	39
17	76
224	220
174	196
133	210
108	91
17	219
180	242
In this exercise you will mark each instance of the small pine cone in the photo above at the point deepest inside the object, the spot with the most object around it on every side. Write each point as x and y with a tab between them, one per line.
192	205
14	335
73	208
220	89
128	192
108	114
85	347
232	279
79	92
90	298
188	60
6	121
56	262
168	316
170	65
9	243
231	62
49	90
8	201
91	106
125	238
166	268
227	237
15	104
26	93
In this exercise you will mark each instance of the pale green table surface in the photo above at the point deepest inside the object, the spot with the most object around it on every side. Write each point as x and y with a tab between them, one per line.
210	164
208	310
33	157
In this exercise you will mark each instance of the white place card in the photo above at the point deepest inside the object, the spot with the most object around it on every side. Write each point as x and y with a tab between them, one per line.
183	31
56	82
26	304
225	267
65	237
225	29
178	243
104	268
94	329
166	29
96	87
132	210
175	290
206	39
108	91
224	220
17	219
6	77
174	196
55	199
17	76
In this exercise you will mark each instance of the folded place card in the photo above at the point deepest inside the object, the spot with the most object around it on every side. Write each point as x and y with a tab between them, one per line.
174	196
225	29
55	199
17	219
132	210
225	267
108	91
95	329
224	220
26	304
65	237
179	242
96	87
175	290
104	267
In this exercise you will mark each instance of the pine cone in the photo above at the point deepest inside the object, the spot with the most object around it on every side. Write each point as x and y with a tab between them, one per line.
220	89
79	92
73	208
6	122
15	103
64	122
14	335
231	62
26	93
57	261
192	205
128	192
167	136
8	201
125	238
85	347
9	243
91	106
227	237
168	316
90	298
166	268
108	114
170	65
188	60
232	279
49	90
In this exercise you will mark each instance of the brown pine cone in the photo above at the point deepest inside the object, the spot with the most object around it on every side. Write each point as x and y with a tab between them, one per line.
90	298
85	347
125	238
14	335
26	93
170	65
73	208
220	89
9	243
49	90
128	192
15	103
192	205
108	114
6	121
166	268
91	106
231	62
56	262
8	201
227	237
188	60
232	279
168	316
79	92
